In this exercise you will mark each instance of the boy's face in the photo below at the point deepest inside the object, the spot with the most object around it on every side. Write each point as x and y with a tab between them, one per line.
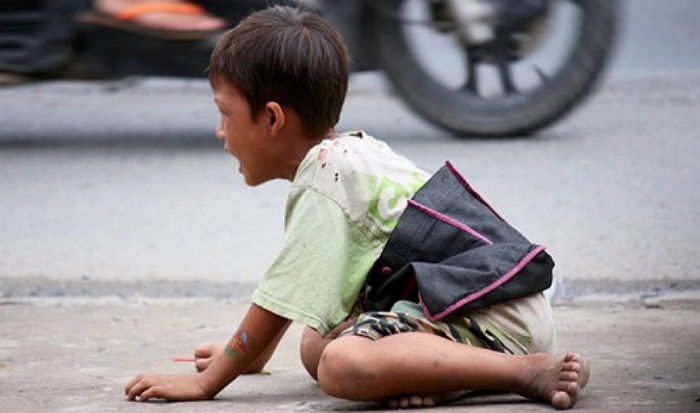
246	139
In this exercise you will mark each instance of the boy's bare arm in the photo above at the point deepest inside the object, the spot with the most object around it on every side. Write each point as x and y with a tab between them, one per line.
257	331
259	363
205	354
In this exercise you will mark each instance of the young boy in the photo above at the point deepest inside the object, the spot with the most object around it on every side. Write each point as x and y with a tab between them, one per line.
364	231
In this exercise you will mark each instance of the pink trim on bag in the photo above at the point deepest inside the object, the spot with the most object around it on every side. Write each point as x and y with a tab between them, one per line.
469	188
478	294
450	221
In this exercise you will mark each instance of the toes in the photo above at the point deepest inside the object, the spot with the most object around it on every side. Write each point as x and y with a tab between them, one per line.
561	400
416	401
571	367
573	358
568	376
566	395
569	387
564	385
405	402
422	400
429	401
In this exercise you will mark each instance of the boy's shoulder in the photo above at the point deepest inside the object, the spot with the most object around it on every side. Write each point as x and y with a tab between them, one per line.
359	173
352	160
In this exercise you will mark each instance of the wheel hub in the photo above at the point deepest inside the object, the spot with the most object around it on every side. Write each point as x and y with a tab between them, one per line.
512	28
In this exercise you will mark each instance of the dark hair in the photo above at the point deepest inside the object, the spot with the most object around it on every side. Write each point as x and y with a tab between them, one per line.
290	56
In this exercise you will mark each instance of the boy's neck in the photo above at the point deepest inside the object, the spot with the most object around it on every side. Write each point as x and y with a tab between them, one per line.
299	148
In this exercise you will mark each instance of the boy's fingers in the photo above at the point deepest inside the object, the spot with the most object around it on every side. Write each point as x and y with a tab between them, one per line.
202	364
203	351
132	382
138	388
154	391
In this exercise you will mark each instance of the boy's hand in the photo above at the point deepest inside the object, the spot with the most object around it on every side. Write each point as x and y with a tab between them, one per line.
204	355
165	386
261	331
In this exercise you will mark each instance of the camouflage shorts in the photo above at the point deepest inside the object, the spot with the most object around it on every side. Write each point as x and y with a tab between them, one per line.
478	330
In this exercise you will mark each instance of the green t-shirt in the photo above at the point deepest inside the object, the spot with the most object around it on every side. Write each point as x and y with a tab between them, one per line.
345	200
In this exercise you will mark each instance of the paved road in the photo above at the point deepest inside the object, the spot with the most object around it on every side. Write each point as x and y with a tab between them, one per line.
122	181
78	358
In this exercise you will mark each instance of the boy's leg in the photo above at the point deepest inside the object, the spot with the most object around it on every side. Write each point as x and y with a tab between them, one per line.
311	348
312	345
357	368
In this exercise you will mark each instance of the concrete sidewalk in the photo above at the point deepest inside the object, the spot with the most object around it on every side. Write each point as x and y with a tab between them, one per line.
63	356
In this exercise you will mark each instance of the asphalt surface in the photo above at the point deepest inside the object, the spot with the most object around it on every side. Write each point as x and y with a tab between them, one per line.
610	190
59	357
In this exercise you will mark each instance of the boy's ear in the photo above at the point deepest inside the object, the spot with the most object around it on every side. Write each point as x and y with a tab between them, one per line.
276	116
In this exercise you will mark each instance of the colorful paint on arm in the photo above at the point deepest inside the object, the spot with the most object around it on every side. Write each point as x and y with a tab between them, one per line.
238	346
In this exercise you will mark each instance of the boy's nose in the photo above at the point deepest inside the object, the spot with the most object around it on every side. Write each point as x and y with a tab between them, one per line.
219	133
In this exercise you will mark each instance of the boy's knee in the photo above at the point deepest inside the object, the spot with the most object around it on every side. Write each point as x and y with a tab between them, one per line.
346	368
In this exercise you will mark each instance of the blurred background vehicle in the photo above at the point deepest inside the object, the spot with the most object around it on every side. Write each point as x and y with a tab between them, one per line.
513	67
122	182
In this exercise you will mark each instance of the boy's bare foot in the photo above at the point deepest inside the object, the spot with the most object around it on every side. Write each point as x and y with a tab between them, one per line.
557	380
425	400
164	20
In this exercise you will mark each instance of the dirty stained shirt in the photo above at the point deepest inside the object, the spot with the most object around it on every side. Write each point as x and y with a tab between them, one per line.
346	198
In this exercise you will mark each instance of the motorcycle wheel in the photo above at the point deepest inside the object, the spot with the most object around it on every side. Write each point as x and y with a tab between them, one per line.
466	113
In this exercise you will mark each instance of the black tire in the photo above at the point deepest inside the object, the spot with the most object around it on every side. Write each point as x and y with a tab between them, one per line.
522	113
